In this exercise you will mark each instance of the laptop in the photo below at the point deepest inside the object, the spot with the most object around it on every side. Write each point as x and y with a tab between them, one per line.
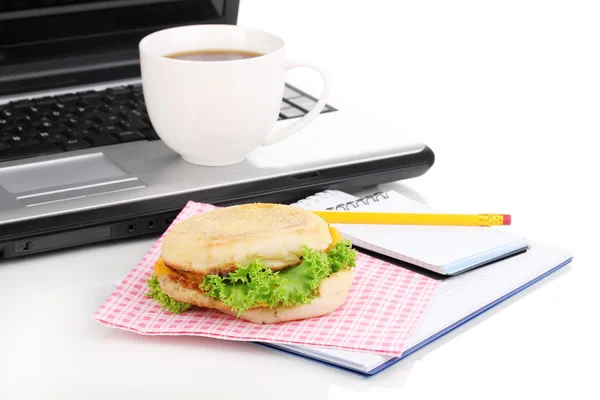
80	162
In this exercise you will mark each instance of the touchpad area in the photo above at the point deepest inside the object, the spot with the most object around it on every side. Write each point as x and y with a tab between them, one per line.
64	179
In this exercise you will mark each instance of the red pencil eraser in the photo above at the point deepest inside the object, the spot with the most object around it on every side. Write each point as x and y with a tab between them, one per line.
506	219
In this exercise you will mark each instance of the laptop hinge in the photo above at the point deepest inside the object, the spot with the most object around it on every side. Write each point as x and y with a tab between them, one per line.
79	71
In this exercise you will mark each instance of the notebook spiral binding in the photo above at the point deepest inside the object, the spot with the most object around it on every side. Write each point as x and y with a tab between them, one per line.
326	194
315	198
375	197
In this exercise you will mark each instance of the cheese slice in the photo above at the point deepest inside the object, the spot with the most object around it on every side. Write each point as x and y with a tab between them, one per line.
161	269
336	236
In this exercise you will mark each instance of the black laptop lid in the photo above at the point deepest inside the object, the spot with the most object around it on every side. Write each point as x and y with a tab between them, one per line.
53	43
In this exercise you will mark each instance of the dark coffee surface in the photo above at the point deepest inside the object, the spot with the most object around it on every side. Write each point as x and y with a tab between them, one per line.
214	55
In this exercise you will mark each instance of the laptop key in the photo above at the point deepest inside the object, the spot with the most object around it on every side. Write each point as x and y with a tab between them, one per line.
112	119
55	115
124	115
57	138
46	125
72	122
21	103
290	93
89	102
149	133
28	133
31	110
137	124
291	112
81	132
91	126
304	102
43	136
121	90
75	144
33	120
97	118
108	99
101	139
137	113
105	108
24	142
131	105
66	98
129	136
17	130
125	125
28	120
89	94
9	113
81	111
14	139
58	106
44	101
111	130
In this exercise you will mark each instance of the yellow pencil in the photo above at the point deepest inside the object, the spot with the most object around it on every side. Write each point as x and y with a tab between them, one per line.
383	218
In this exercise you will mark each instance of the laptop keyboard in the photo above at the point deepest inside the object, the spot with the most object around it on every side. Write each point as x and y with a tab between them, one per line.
76	121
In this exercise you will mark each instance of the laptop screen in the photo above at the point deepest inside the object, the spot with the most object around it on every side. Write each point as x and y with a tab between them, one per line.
46	37
26	21
95	23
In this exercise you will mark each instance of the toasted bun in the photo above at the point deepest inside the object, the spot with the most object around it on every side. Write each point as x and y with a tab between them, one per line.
332	294
214	242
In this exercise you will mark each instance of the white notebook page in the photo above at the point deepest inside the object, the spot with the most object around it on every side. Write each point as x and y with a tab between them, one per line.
438	248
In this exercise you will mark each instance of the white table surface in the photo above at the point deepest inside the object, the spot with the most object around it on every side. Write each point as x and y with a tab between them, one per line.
508	96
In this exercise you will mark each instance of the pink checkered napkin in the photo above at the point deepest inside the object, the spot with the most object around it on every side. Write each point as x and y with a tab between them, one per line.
383	307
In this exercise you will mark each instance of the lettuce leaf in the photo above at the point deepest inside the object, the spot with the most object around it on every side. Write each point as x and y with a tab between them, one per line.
257	285
342	256
176	307
300	283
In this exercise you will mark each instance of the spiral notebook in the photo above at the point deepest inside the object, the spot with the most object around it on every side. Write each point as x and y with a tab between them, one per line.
445	250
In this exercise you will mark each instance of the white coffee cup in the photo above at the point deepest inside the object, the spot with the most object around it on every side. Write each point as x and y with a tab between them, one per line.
217	112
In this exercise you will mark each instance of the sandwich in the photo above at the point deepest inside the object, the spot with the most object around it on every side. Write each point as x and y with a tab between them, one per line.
264	263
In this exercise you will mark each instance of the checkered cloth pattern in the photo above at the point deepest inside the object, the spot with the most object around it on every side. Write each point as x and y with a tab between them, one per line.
383	307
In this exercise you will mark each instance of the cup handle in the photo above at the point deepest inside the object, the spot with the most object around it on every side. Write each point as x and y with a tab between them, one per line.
289	130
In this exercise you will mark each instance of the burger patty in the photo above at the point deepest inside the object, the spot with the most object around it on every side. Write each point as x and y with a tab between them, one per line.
192	280
185	291
184	286
189	280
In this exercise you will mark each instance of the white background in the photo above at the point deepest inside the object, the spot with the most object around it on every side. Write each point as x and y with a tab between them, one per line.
507	94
